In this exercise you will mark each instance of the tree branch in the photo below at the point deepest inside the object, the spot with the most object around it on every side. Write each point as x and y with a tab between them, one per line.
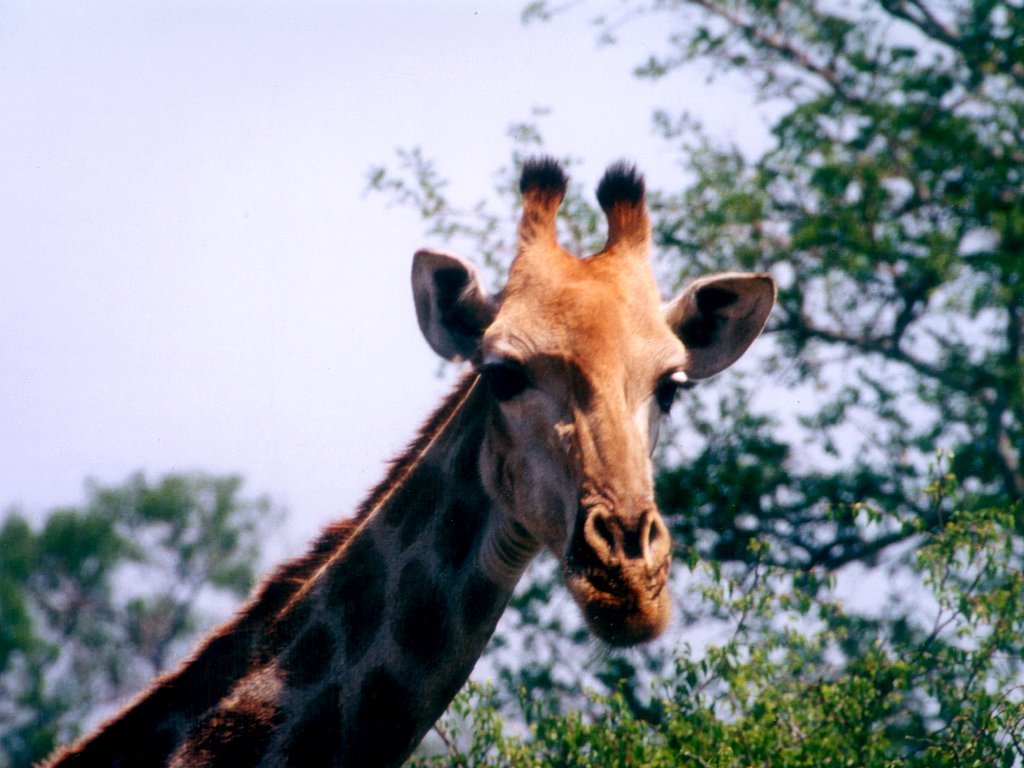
883	346
757	36
1009	463
852	549
925	20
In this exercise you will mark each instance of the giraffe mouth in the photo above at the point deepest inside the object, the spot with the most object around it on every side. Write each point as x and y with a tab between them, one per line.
621	593
618	610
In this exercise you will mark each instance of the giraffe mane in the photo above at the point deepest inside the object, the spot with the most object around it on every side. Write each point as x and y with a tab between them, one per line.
401	465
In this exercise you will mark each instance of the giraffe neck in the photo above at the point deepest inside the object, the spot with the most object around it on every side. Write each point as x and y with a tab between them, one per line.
351	652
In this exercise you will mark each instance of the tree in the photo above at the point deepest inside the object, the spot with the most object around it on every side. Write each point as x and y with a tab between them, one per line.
100	598
890	207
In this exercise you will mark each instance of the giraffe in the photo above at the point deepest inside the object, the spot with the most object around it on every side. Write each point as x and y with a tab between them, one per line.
348	655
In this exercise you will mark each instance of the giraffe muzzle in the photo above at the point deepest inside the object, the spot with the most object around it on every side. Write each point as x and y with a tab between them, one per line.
617	568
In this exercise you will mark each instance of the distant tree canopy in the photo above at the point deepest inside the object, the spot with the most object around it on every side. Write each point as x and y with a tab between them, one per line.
886	427
100	598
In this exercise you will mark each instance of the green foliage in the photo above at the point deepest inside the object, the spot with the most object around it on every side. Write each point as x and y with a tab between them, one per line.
101	597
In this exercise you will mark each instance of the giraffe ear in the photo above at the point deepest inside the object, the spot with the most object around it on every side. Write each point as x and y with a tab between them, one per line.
717	317
451	306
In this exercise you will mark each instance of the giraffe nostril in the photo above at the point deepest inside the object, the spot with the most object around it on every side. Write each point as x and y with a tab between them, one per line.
658	542
602	529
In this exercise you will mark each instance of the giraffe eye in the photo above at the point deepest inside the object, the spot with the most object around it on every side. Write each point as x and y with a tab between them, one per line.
668	387
506	379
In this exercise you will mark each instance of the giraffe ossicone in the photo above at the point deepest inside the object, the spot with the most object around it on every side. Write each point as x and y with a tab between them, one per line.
347	656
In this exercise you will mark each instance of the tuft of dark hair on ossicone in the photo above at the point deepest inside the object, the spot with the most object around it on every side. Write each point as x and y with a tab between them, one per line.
543	175
621	183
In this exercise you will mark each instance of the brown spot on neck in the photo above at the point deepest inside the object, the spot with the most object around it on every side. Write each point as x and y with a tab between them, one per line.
422	626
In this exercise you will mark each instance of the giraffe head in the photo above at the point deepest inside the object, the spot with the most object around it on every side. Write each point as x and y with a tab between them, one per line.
582	360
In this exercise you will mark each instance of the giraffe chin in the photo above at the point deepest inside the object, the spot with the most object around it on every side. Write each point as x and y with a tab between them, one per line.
621	620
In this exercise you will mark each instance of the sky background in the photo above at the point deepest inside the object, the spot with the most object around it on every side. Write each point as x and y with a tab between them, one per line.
192	276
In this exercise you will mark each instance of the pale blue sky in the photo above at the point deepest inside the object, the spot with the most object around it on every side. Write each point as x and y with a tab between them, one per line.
191	276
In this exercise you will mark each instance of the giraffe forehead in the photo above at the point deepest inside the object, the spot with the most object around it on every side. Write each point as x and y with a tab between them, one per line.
604	321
